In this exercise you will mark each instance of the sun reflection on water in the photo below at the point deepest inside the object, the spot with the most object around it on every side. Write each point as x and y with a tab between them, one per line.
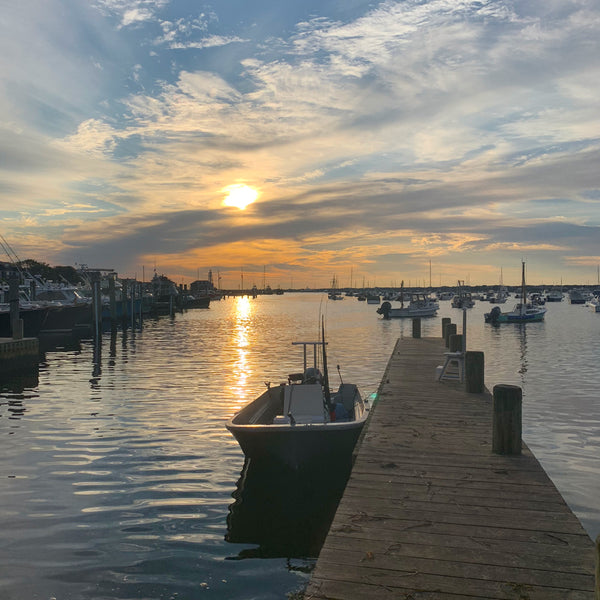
241	338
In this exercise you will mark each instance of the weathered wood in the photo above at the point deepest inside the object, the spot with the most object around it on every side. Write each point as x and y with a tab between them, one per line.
445	321
455	342
112	298
508	416
598	568
430	512
450	330
416	327
474	372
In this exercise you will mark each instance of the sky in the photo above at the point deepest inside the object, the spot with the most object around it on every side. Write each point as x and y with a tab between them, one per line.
378	142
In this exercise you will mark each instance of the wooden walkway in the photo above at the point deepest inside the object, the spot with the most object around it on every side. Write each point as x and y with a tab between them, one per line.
430	513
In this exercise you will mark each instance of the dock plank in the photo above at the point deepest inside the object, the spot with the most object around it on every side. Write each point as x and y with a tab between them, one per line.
430	512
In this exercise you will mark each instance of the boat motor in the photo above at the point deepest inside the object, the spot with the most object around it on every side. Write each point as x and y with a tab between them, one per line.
384	310
494	315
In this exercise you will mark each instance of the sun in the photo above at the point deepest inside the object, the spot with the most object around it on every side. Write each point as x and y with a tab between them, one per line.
239	195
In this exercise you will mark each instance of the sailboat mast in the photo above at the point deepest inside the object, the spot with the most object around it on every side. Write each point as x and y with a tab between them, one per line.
523	292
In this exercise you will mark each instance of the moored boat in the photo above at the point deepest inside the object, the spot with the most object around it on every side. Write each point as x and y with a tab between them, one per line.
462	298
298	422
522	311
420	305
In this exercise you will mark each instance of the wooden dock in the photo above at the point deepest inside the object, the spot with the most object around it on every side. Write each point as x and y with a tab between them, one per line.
430	512
18	354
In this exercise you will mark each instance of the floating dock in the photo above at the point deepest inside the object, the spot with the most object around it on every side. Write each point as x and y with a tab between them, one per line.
430	512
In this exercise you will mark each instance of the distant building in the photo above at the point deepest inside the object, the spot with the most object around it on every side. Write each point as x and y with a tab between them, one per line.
202	287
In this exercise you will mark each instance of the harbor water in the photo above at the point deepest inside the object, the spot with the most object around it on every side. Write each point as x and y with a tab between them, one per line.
120	480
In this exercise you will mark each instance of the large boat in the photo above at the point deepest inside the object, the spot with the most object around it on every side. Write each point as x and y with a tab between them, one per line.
522	311
301	421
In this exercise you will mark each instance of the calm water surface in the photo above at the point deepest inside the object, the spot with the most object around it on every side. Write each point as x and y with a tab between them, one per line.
118	473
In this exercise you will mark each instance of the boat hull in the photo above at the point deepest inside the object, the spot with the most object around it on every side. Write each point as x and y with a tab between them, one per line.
515	319
295	445
33	321
298	446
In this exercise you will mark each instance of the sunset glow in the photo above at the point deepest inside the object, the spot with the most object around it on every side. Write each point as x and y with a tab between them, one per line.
304	139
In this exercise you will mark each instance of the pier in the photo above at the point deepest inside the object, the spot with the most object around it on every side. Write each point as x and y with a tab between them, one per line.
17	354
432	512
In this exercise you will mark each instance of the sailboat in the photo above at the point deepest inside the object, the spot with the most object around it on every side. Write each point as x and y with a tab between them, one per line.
521	313
334	293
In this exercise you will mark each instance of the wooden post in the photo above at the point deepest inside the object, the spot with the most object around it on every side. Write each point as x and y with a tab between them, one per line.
112	297
598	568
445	321
16	324
124	302
97	303
474	372
450	330
416	327
455	342
507	422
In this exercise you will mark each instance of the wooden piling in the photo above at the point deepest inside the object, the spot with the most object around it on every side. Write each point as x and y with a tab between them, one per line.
507	419
97	304
474	372
450	330
416	327
112	296
598	568
445	321
455	342
16	323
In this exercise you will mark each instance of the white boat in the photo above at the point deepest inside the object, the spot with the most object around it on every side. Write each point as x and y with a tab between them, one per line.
594	304
445	295
420	305
522	311
301	421
500	297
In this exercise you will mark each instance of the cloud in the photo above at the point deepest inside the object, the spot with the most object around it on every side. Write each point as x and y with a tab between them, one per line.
412	129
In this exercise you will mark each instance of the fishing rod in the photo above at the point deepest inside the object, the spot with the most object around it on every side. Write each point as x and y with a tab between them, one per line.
325	371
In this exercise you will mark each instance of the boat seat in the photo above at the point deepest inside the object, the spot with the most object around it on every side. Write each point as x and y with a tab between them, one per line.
304	402
346	395
453	368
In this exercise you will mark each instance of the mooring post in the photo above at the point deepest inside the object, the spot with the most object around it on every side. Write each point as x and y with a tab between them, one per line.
16	323
507	421
416	327
598	568
112	297
450	330
474	372
445	321
97	303
124	302
455	342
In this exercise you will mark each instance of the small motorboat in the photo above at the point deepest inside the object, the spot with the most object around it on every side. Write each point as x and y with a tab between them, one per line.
301	421
522	312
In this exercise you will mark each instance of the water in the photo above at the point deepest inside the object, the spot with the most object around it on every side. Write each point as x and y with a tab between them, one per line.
118	473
